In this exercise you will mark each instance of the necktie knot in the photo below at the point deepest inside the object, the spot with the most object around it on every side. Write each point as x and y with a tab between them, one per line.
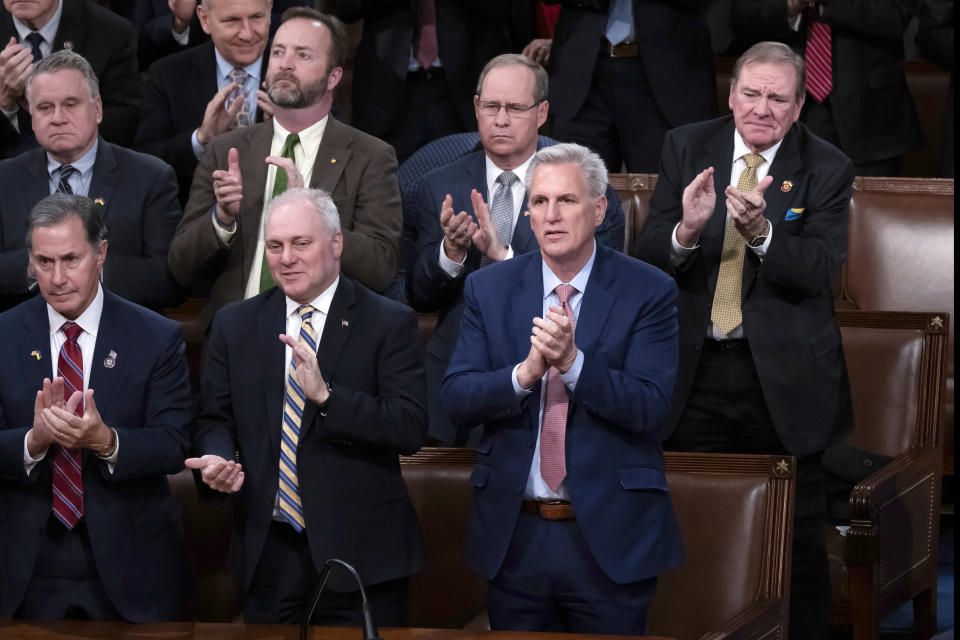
753	160
812	14
292	141
564	291
507	178
72	330
35	40
239	76
306	312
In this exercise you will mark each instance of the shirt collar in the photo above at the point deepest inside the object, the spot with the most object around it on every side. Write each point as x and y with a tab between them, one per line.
83	164
321	303
309	138
579	281
740	148
493	172
89	320
48	31
224	68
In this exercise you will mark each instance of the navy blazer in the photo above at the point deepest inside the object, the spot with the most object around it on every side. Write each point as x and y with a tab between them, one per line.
627	331
139	205
430	289
132	518
355	502
788	298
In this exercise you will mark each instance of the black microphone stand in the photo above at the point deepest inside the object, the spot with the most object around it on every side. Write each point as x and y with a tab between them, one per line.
369	628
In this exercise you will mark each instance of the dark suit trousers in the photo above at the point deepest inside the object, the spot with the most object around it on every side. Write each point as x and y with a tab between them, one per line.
65	583
726	413
818	116
549	581
286	579
619	118
426	113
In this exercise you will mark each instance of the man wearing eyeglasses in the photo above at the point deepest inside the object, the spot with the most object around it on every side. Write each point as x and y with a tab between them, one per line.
473	211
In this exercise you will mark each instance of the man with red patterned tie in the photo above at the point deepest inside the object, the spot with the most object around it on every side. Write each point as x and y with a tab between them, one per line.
858	94
567	356
94	411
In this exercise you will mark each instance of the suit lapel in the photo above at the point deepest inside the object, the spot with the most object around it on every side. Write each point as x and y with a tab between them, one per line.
523	240
526	303
202	82
38	181
114	341
34	341
104	179
719	155
72	27
254	171
332	156
596	304
271	322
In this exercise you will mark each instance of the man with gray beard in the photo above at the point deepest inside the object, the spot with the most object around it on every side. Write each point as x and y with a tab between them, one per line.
219	242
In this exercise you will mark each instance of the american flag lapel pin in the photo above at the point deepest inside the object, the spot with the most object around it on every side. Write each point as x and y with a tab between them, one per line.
344	323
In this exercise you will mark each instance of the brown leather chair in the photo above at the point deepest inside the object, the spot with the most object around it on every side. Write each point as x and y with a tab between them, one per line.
901	258
888	556
736	515
207	528
635	191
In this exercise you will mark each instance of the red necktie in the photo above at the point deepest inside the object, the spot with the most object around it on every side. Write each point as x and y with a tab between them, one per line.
553	464
818	56
425	48
67	480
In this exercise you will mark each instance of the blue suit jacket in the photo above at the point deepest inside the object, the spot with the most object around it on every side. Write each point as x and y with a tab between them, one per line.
627	331
140	209
132	518
429	288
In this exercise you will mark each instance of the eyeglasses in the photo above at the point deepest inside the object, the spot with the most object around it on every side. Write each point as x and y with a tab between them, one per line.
492	109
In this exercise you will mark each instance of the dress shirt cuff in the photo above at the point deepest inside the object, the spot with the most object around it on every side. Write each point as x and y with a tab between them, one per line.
183	39
761	251
679	253
12	117
509	252
195	144
111	460
518	390
224	235
572	375
29	462
451	268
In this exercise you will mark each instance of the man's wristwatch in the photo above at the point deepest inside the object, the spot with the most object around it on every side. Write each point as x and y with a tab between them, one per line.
760	238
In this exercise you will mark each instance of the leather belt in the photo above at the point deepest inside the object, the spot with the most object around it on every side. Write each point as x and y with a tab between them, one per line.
622	50
549	510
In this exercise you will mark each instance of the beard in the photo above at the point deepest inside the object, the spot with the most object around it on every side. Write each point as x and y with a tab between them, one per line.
297	97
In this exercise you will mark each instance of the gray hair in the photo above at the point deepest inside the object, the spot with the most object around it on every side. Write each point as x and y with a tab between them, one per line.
60	207
540	86
773	53
64	60
594	171
318	200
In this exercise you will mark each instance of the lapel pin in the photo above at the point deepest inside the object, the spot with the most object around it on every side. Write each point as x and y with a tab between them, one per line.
786	186
68	45
35	354
333	160
344	323
99	201
111	360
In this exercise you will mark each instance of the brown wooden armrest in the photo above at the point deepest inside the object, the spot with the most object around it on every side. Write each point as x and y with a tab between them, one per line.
756	621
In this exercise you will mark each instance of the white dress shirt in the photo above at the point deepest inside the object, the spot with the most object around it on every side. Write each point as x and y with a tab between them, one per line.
249	88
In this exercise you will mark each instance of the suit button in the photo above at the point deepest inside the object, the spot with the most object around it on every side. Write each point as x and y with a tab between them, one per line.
696	348
867	462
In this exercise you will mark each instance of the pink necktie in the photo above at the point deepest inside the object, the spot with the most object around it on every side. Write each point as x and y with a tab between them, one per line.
553	464
818	56
67	479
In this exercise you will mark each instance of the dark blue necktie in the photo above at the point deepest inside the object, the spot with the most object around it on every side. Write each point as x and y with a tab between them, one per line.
35	40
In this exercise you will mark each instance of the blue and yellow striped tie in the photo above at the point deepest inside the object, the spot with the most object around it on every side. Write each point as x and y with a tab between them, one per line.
293	401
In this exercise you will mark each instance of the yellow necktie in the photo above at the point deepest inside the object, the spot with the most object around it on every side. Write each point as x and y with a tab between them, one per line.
725	313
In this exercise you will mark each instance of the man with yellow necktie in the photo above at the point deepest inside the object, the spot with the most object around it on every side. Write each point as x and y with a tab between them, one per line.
750	217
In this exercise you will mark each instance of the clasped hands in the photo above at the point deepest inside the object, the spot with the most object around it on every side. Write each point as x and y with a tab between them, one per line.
551	345
228	184
746	208
55	421
459	230
226	475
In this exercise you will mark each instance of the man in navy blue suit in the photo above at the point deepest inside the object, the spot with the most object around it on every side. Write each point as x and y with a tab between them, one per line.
88	526
568	357
510	106
136	193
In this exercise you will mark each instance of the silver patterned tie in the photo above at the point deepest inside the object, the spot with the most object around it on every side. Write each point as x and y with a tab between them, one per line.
501	208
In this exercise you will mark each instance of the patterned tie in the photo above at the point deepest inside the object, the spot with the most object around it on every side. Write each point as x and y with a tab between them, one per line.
553	465
425	47
35	40
293	402
240	76
279	186
619	21
501	209
818	56
67	479
66	170
725	314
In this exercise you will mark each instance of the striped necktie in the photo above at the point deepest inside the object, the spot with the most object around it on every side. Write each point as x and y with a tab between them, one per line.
818	56
66	170
293	402
67	476
726	314
553	464
279	186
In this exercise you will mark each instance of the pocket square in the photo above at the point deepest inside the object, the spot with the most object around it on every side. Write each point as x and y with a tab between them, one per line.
793	213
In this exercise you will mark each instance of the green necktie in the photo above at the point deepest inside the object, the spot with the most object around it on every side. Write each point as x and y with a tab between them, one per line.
279	186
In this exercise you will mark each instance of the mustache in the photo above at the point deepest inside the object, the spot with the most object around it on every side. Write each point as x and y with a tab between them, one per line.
283	75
